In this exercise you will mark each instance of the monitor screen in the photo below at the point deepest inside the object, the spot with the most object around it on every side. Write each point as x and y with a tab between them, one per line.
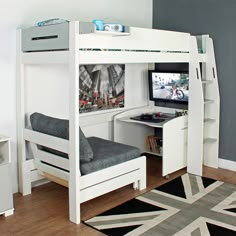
169	87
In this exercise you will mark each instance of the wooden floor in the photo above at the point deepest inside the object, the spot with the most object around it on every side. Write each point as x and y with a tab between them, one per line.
45	211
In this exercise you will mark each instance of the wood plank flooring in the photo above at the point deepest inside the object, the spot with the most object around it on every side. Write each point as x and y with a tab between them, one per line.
45	211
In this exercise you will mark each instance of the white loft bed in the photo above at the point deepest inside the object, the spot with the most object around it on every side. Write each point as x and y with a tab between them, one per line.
139	46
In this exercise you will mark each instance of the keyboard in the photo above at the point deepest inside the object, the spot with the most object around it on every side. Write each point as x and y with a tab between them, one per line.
151	120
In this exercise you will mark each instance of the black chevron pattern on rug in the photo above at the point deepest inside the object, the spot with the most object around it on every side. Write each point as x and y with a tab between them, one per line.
216	230
174	187
132	206
231	210
120	231
168	211
207	181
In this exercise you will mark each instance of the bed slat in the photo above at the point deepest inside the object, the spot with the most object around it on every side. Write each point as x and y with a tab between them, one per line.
59	144
52	159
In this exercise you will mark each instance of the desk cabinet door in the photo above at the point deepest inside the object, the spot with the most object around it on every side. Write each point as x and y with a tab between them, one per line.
6	196
174	145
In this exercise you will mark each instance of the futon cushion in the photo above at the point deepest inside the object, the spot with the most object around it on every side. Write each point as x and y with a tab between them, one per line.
50	125
85	150
107	153
60	128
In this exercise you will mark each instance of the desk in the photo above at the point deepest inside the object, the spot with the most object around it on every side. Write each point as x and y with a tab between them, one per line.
133	132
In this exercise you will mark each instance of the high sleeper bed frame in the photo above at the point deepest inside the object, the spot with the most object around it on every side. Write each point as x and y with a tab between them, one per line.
85	47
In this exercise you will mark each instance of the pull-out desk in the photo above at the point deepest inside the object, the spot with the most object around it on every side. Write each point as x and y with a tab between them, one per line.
174	137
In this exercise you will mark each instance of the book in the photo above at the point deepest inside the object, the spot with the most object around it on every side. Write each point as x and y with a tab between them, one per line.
148	145
153	144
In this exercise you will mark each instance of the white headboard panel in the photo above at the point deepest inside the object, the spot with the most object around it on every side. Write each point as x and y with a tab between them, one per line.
47	90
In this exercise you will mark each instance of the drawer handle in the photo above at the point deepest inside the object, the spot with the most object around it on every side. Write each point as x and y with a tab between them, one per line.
45	37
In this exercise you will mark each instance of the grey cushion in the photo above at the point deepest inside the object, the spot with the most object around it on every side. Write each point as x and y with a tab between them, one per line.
107	153
85	150
60	128
50	125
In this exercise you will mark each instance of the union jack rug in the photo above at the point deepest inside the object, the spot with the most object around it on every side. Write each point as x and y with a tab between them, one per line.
186	206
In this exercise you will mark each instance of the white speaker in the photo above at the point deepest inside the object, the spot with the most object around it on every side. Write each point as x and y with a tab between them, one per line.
113	27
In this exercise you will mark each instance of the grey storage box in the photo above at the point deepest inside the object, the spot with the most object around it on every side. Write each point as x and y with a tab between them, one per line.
51	37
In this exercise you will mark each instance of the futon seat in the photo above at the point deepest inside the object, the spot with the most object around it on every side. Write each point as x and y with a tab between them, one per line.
107	153
95	153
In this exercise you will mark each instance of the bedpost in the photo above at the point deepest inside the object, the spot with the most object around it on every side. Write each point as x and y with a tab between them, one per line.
23	167
195	112
143	177
141	182
74	188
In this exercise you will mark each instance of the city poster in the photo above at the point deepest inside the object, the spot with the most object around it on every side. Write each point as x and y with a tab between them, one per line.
101	87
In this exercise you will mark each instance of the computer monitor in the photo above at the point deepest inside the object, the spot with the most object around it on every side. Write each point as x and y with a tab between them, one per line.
168	87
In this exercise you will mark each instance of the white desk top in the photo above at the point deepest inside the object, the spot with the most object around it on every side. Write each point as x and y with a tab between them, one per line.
151	124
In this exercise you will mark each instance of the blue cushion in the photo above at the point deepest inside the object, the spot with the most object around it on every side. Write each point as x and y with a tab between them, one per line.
60	128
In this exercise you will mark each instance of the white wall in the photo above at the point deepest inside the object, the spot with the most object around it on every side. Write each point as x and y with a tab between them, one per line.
56	92
18	13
